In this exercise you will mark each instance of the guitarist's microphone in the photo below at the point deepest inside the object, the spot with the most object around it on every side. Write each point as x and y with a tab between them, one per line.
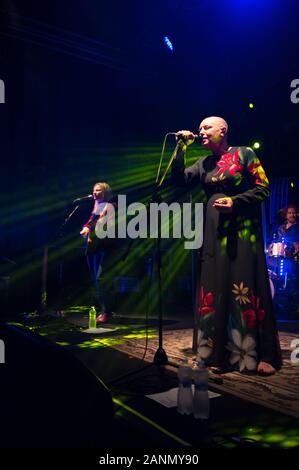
83	199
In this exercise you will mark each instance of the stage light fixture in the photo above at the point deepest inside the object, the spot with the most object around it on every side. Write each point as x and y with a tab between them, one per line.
168	43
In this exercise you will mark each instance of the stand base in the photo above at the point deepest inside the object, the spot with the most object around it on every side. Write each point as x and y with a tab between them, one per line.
160	357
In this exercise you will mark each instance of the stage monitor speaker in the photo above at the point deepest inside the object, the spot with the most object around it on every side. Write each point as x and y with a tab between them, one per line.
48	397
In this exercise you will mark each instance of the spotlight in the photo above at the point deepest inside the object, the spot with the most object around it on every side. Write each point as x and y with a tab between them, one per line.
256	145
251	105
168	43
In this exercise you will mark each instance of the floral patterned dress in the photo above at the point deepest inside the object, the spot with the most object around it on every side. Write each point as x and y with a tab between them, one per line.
236	320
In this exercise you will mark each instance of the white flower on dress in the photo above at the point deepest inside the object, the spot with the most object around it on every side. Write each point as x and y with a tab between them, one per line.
242	351
204	349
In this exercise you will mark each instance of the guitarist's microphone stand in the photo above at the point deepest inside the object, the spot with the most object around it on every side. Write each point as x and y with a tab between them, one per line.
43	299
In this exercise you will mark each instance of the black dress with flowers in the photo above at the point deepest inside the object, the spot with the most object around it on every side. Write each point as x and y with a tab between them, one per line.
236	320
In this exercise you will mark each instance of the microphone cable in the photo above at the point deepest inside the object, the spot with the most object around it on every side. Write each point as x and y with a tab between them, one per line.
162	154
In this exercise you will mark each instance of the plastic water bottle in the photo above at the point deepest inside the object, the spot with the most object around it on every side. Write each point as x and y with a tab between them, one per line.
201	401
92	319
185	397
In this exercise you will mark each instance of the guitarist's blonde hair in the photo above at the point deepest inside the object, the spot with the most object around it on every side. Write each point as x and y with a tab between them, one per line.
106	190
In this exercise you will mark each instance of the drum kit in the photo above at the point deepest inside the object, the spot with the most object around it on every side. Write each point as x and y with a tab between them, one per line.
283	270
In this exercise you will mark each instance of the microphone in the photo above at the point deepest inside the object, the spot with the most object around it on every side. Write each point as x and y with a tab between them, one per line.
83	199
181	136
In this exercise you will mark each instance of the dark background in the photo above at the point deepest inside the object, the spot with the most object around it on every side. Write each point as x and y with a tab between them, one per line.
91	89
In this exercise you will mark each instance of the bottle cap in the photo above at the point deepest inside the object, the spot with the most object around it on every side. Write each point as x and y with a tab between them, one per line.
184	361
200	362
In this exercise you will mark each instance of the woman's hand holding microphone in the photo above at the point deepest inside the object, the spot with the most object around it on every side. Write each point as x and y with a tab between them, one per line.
185	138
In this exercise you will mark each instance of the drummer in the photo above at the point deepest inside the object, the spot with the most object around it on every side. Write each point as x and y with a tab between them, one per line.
289	230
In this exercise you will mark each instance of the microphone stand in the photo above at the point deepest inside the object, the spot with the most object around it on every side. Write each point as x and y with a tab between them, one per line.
58	234
160	357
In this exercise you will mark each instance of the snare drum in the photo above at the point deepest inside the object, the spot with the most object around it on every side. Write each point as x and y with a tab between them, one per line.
277	249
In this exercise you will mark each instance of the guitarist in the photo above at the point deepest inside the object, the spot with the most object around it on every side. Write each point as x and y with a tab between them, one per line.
103	215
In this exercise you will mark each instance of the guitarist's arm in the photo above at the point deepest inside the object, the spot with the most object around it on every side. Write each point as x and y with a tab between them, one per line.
87	227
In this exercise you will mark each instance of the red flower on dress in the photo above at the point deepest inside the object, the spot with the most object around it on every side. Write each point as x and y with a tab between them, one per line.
256	303
250	318
230	162
206	301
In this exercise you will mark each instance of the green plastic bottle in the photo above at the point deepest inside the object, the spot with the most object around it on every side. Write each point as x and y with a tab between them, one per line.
92	323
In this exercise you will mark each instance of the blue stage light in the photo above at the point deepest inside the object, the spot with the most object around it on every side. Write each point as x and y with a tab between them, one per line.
281	268
168	43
